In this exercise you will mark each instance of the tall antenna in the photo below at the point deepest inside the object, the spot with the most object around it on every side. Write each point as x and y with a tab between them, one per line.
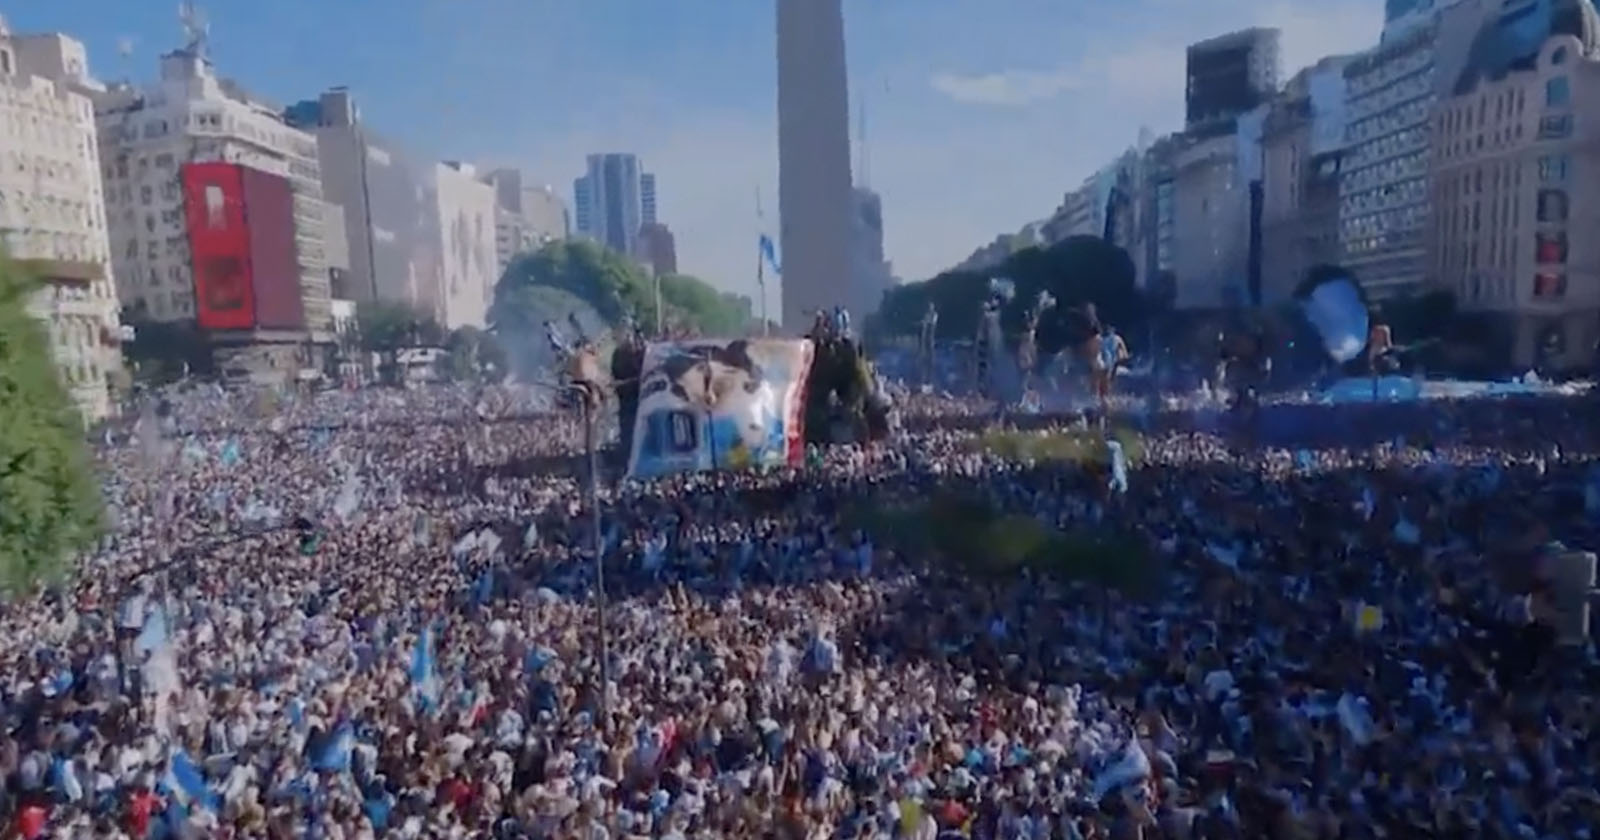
195	28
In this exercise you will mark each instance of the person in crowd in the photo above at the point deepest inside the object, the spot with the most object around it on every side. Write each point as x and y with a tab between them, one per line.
373	613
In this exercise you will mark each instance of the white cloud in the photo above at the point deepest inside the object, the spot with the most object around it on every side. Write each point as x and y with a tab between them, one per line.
1006	88
1150	68
951	178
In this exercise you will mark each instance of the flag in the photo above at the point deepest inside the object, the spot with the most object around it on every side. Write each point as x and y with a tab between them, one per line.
1130	767
1119	467
153	635
334	756
231	454
769	254
186	783
424	677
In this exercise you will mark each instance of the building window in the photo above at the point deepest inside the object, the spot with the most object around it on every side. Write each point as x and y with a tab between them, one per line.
1555	127
1550	248
1553	169
1549	285
1558	92
1559	57
1552	206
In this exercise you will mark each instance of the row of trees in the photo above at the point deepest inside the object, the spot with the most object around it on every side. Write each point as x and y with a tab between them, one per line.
1076	271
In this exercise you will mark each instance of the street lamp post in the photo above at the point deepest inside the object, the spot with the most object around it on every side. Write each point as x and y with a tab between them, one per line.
588	397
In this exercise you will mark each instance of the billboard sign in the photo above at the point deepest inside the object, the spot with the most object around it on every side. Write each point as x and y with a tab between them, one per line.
219	246
274	271
709	404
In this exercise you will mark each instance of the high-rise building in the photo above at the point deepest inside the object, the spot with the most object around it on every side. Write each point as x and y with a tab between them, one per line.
647	199
1383	184
1513	153
1211	214
469	265
1400	17
526	217
1302	147
52	212
657	249
1230	75
610	201
814	182
191	116
388	223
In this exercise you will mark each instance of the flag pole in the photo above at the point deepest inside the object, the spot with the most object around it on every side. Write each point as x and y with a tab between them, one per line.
761	267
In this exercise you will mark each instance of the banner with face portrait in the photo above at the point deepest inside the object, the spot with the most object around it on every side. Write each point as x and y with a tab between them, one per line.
714	404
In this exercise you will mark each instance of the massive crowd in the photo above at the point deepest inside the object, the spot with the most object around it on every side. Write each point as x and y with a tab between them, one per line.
374	614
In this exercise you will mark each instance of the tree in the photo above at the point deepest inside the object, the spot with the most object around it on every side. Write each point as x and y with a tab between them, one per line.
473	355
602	288
386	328
1076	271
49	502
164	351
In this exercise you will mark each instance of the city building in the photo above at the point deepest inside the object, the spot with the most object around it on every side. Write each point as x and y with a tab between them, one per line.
871	272
52	212
1075	216
388	223
814	180
469	265
526	216
190	116
657	249
1383	181
1302	141
1229	75
1211	215
611	201
1401	17
647	199
1159	197
1515	146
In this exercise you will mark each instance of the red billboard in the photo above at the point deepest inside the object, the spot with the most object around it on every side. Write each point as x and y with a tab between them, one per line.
274	271
219	246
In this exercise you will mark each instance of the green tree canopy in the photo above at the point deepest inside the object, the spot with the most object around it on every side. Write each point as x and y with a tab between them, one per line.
49	502
162	351
473	355
385	327
610	286
1077	270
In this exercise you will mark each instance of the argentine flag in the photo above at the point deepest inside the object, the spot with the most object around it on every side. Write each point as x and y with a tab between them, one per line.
424	676
769	253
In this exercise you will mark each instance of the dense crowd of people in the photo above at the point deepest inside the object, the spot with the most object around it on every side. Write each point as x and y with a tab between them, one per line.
375	614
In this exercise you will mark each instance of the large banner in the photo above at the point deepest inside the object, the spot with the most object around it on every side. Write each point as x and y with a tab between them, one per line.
274	268
708	404
219	246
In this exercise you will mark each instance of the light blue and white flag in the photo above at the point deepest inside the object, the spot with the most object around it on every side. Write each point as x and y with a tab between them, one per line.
1119	467
424	674
187	784
769	254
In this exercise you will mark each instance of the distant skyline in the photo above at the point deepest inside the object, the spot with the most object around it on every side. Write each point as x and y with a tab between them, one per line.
980	116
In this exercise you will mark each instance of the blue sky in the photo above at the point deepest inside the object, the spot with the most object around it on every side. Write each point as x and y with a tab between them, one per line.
980	115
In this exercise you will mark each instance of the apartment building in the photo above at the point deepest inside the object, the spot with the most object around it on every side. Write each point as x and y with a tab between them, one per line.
1302	152
52	213
190	115
1515	147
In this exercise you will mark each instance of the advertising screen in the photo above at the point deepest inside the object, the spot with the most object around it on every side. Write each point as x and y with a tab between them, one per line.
274	274
712	404
219	246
